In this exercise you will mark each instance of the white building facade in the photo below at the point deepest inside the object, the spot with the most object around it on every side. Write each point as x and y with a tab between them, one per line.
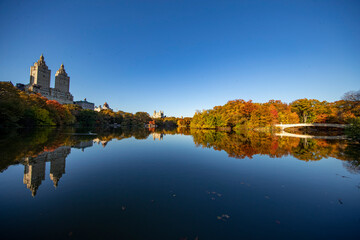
40	76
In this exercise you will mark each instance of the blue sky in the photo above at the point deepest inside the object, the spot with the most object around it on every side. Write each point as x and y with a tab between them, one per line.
180	56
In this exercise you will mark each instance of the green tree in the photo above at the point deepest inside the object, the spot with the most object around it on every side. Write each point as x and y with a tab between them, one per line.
305	108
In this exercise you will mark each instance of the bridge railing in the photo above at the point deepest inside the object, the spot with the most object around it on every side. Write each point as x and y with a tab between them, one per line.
283	126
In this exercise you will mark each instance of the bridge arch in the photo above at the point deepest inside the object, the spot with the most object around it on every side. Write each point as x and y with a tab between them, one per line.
335	125
286	134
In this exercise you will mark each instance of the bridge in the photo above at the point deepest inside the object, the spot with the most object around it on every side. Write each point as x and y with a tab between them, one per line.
335	125
286	134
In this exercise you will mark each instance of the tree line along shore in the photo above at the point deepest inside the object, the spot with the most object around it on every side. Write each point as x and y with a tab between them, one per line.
25	109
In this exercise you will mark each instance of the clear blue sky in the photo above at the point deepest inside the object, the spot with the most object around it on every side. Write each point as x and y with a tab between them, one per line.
180	56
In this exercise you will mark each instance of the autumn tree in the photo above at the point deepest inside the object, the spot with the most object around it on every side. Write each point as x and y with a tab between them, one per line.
305	108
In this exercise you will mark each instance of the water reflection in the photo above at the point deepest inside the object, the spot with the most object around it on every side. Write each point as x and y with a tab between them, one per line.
34	172
34	149
246	145
158	136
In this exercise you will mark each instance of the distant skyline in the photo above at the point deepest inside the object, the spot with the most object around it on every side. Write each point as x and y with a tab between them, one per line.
182	56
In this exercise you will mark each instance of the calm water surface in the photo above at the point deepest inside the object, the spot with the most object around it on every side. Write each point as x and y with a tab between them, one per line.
180	184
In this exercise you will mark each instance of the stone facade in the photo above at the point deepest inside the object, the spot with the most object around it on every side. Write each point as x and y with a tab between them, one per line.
62	80
104	107
159	114
85	104
40	76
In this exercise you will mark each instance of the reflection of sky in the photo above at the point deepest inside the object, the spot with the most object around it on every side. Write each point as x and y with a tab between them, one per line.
150	189
184	55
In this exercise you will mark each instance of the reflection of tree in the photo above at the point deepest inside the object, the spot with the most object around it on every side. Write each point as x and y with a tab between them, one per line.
248	144
26	143
352	152
307	150
245	144
183	130
18	145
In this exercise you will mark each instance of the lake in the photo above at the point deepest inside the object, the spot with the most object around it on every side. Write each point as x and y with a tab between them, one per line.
176	184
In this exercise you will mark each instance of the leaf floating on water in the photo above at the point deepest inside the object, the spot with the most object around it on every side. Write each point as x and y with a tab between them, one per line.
223	217
343	176
214	195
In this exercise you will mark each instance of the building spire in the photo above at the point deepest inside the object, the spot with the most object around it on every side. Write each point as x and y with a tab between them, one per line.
41	60
61	70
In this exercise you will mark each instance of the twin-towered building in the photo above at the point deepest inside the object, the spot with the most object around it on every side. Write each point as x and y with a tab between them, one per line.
40	76
159	114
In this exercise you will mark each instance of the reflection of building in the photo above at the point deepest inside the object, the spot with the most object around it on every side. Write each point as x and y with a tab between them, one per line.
35	167
104	107
103	142
158	136
151	125
34	173
85	104
159	114
83	144
57	169
40	82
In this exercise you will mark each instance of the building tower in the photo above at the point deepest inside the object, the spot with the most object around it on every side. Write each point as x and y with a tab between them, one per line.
40	74
62	80
159	114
